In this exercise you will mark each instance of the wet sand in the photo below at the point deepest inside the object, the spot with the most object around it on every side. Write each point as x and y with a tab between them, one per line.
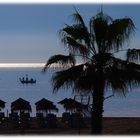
111	126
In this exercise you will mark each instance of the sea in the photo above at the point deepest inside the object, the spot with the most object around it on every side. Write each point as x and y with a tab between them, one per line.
11	89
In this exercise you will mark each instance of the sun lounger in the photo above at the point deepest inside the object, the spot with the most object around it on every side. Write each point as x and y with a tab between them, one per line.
51	120
40	120
25	120
66	117
14	119
76	120
2	117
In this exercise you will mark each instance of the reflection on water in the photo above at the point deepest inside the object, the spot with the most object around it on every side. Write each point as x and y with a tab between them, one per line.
21	65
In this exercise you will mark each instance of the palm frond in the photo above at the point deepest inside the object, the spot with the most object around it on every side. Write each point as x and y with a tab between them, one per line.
133	67
129	79
67	78
89	81
119	31
118	63
133	55
104	17
84	84
123	76
100	17
124	64
100	29
62	60
75	47
78	18
104	58
77	31
115	80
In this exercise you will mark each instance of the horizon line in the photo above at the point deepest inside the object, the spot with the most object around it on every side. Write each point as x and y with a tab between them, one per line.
27	65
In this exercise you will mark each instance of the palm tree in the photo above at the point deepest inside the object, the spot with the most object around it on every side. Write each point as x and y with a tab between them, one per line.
99	70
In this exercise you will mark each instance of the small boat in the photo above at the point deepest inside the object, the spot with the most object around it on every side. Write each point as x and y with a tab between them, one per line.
27	80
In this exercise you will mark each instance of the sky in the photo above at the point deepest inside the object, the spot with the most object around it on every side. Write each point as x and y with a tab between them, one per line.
29	32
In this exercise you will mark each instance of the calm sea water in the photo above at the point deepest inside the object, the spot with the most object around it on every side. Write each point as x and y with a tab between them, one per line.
11	89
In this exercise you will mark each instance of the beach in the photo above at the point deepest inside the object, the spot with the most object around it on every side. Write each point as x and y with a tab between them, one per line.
121	126
111	126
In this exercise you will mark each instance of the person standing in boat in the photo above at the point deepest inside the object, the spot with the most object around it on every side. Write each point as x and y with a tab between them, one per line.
26	77
22	78
31	80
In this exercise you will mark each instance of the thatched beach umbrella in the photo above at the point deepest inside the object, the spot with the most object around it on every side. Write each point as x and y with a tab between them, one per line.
45	105
20	105
64	101
71	104
2	104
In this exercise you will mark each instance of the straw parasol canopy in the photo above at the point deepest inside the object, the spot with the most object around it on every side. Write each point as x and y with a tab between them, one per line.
20	105
45	105
2	104
71	104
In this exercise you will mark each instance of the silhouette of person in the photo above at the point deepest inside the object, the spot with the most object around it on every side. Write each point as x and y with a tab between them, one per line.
31	79
26	77
22	78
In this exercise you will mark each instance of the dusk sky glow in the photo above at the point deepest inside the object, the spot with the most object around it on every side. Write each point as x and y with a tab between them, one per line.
29	32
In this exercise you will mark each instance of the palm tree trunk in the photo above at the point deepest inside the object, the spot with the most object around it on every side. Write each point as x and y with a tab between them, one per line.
97	109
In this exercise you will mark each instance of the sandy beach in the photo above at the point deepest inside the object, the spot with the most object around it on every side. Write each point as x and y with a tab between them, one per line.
111	126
